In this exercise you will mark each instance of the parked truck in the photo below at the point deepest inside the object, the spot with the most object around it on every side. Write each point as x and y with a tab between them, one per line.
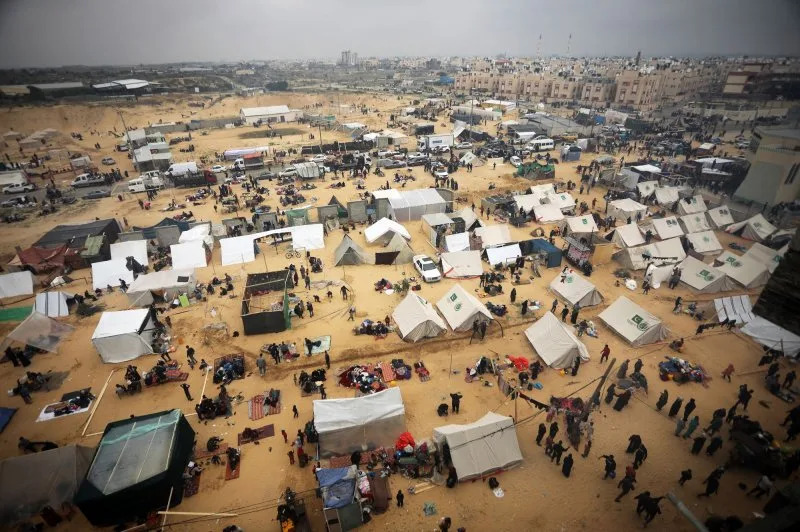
435	142
201	178
251	162
181	169
309	170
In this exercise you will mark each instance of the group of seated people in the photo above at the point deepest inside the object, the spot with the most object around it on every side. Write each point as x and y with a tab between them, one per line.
157	374
497	310
229	370
373	328
308	382
133	381
383	284
209	408
316	264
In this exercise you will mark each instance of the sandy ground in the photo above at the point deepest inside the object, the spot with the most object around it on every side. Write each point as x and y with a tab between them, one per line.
536	494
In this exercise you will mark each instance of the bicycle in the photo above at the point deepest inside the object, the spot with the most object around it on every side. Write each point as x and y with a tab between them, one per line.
293	253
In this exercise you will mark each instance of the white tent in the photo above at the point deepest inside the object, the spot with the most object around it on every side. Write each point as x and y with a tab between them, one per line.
578	225
543	190
503	254
576	289
554	342
746	271
647	168
481	448
646	188
737	308
348	253
494	235
360	423
191	254
527	202
773	336
52	304
704	279
382	229
562	200
705	243
461	309
461	264
719	217
625	208
755	228
469	217
457	242
109	272
633	323
201	233
404	252
666	196
132	248
547	213
413	204
660	253
767	256
16	284
307	237
665	228
124	335
238	249
168	284
416	319
627	236
695	223
691	205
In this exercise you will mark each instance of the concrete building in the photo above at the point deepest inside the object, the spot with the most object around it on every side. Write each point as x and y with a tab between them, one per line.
140	137
153	156
775	165
597	92
638	90
269	115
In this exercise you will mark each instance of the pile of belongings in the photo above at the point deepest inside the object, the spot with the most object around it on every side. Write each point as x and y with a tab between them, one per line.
308	382
158	373
414	459
83	400
569	404
311	432
634	380
756	448
229	370
272	398
402	371
497	310
382	285
211	408
484	365
680	371
360	377
372	328
773	384
521	363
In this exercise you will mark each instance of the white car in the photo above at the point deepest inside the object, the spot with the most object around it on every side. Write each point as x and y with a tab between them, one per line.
464	145
516	161
319	158
18	188
427	269
441	174
385	154
218	169
290	171
108	160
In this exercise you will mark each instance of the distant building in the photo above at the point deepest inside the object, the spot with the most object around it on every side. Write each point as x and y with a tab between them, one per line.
269	115
152	156
773	176
348	58
140	137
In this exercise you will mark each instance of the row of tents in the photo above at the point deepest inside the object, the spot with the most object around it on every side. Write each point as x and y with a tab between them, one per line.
417	319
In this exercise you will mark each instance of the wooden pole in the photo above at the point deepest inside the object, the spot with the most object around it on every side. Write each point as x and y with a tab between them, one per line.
205	380
206	514
166	512
97	402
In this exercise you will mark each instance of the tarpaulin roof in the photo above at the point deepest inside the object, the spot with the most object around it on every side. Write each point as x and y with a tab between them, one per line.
647	168
737	308
772	336
191	254
547	213
416	319
45	259
576	289
123	335
149	233
16	284
436	219
131	248
664	252
485	446
338	486
109	272
494	235
200	232
562	200
554	342
704	242
170	282
383	226
646	188
461	264
746	271
52	304
240	249
91	248
40	331
633	323
755	228
527	202
461	309
502	254
457	242
75	234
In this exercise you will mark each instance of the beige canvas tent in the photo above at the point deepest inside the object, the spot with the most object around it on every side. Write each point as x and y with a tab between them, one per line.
695	223
705	243
555	343
627	236
625	208
756	228
579	226
397	245
494	235
704	279
767	256
416	319
461	309
348	253
691	205
462	264
665	228
660	253
746	271
719	217
478	449
575	289
633	323
666	196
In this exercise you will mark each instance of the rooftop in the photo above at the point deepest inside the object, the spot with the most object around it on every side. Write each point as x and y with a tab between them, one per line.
260	111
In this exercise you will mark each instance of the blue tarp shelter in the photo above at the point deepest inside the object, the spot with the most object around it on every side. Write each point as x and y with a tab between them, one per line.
5	416
540	245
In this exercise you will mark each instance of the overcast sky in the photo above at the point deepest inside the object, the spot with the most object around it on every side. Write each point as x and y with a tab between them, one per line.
96	32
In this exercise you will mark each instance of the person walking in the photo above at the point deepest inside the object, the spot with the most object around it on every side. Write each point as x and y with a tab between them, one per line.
652	509
186	391
310	309
689	408
604	353
558	449
662	400
676	407
679	426
638	365
566	467
622	372
327	360
698	444
261	364
554	307
285	436
513	295
540	434
553	429
573	319
564	313
789	379
190	356
610	466
642	499
727	372
626	484
291	456
712	487
640	456
686	475
344	291
352	312
731	414
744	396
691	427
633	443
714	445
400	498
295	413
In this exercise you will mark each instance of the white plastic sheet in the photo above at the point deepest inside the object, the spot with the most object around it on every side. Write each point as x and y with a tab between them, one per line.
132	248
109	272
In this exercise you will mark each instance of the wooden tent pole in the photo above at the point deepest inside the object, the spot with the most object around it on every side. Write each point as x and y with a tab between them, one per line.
97	402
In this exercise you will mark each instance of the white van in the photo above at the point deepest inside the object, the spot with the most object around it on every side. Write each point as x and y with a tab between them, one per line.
542	144
143	183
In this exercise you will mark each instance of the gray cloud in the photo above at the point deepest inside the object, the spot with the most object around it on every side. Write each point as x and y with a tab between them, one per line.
95	32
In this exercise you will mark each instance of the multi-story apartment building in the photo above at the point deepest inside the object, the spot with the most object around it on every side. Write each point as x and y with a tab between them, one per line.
638	90
775	164
597	92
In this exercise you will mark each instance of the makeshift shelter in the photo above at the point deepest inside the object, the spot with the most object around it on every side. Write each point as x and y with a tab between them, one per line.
152	232
461	264
52	304
43	260
341	505
695	223
547	213
74	235
382	231
42	332
704	279
200	232
95	249
494	235
665	228
503	254
109	272
132	248
633	323
555	343
239	249
191	254
457	242
16	284
756	228
527	202
465	220
579	226
549	254
625	209
30	482
626	236
772	336
575	289
138	465
691	205
767	256
124	335
667	196
5	418
461	309
562	200
704	243
397	252
481	448
348	253
164	285
720	217
737	308
659	253
746	271
265	302
435	226
646	188
571	153
416	319
359	424
413	204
